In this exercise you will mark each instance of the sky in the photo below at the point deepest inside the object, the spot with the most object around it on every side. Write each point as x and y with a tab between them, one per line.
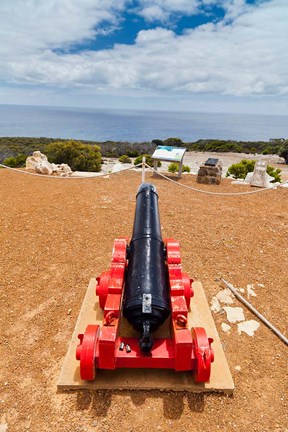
178	55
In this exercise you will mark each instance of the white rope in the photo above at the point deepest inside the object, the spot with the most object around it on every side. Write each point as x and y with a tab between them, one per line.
137	166
74	177
208	192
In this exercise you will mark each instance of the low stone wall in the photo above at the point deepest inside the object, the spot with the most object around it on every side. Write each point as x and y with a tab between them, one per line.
209	174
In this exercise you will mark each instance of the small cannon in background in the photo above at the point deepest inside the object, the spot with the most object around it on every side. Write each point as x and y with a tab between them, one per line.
145	285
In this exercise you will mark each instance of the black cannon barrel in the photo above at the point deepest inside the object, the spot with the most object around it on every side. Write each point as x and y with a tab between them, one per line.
146	302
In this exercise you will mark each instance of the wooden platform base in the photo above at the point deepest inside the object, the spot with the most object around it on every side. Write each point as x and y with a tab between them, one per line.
148	379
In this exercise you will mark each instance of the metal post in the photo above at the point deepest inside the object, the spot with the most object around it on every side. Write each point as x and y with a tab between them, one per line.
255	311
180	169
143	168
155	167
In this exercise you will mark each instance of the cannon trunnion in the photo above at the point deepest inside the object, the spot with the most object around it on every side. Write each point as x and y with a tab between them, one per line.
145	285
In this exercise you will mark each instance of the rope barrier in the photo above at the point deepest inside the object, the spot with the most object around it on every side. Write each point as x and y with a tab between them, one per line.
143	164
74	177
208	192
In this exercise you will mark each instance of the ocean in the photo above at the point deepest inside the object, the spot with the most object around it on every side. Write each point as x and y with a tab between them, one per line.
136	126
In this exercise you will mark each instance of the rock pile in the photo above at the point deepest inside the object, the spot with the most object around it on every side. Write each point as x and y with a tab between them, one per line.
210	173
38	163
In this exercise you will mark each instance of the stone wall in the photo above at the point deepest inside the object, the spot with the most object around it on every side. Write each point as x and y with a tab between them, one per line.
210	174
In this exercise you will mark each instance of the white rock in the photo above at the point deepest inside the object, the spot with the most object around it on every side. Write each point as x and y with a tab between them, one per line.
43	168
36	158
250	291
259	176
215	305
62	170
225	327
248	327
234	314
238	368
3	427
38	162
225	296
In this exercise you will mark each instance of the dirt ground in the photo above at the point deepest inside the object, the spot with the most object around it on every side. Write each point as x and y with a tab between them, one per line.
56	234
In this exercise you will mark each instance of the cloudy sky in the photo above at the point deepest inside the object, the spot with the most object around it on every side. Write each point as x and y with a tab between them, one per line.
187	55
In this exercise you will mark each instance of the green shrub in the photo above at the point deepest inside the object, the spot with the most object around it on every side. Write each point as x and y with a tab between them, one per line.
149	160
274	173
15	162
283	152
79	156
157	142
240	170
132	153
174	142
174	167
125	159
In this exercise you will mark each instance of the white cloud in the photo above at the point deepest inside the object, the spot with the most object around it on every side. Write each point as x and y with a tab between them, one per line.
163	10
242	57
31	25
160	10
153	13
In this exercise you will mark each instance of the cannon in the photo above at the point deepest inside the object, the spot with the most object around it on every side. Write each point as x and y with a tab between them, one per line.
146	295
146	287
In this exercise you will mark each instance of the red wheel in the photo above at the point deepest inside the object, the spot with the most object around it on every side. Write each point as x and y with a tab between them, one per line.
86	350
102	288
204	354
188	290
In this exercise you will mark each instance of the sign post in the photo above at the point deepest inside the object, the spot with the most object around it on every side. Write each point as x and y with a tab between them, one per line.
169	154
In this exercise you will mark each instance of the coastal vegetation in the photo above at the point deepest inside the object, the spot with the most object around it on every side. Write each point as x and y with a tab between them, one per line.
21	147
125	159
240	170
15	162
79	156
284	151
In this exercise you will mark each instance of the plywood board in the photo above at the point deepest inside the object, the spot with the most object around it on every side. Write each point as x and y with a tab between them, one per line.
200	315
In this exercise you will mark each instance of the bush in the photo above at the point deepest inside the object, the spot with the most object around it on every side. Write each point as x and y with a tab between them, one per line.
174	166
132	153
125	159
158	142
274	173
284	151
79	156
174	142
240	170
185	168
149	160
15	162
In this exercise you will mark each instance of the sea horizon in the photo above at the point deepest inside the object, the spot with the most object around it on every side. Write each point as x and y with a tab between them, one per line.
111	124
